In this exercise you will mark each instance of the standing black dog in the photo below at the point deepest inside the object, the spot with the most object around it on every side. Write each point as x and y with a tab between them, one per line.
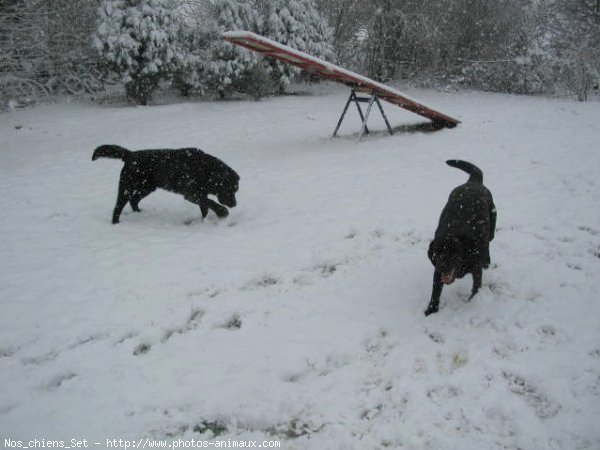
186	171
466	227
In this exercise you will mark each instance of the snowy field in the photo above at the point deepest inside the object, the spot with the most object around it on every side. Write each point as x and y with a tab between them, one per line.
299	318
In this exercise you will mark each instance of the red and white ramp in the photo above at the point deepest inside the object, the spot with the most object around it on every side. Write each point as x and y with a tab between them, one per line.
357	82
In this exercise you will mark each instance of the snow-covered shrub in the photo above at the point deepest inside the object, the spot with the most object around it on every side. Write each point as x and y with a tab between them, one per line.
138	40
298	24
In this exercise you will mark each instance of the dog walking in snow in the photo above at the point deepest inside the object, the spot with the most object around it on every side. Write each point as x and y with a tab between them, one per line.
187	171
466	227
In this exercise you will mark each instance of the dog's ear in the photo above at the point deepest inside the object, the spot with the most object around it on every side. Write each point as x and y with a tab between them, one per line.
214	180
431	252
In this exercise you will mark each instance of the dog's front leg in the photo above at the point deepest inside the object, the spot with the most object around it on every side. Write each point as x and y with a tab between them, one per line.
206	203
477	277
434	303
219	210
204	208
202	202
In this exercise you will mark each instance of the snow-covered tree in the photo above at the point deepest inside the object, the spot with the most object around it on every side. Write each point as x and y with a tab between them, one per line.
348	20
231	67
298	24
574	31
383	43
138	40
195	41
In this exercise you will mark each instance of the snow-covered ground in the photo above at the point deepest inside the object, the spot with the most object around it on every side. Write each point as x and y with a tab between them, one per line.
300	317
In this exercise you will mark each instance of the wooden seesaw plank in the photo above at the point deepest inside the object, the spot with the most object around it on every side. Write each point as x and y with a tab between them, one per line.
330	71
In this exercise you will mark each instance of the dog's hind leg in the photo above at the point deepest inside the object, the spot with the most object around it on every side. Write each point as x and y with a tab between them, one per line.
487	261
121	202
134	202
434	304
477	277
135	199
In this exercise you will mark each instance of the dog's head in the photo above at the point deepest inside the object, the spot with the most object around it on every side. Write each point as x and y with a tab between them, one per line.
447	256
226	194
224	183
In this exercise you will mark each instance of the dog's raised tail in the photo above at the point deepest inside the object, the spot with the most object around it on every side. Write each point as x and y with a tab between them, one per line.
476	175
111	151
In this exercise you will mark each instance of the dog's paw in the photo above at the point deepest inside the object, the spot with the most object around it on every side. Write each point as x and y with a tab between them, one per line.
221	212
431	309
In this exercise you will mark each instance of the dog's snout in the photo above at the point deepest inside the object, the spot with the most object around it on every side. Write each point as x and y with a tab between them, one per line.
227	200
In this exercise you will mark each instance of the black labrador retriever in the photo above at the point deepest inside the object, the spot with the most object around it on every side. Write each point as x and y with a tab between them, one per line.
466	227
186	171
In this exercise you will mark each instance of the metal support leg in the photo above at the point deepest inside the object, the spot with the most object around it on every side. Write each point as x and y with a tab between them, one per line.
383	114
339	124
364	125
363	117
360	113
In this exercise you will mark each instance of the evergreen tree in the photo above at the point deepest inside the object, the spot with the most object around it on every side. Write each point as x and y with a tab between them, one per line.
297	24
231	67
138	40
195	41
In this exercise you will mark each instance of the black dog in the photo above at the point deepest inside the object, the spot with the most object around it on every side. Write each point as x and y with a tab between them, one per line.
186	171
466	227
